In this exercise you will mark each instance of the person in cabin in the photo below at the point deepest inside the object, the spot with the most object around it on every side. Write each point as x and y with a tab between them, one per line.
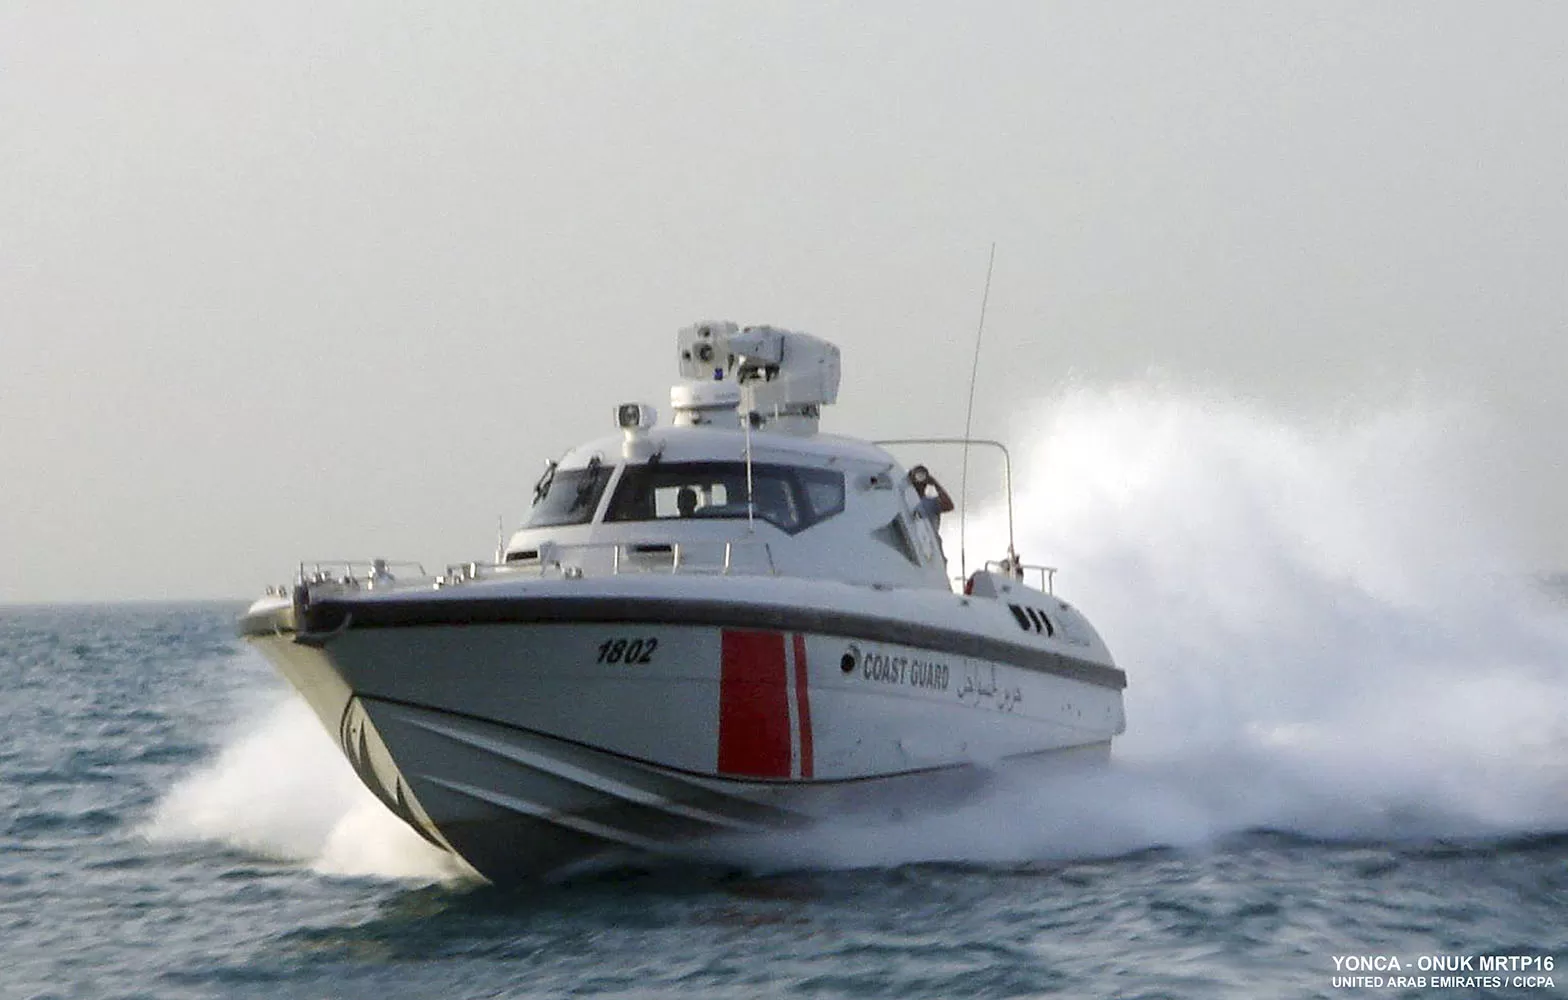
686	501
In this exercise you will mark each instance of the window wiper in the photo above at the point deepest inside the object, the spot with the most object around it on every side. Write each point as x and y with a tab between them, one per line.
546	480
587	486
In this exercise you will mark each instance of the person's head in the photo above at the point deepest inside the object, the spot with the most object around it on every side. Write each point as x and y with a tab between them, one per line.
920	477
686	501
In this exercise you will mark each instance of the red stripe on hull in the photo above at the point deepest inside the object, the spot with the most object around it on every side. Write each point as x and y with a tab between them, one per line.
753	705
802	705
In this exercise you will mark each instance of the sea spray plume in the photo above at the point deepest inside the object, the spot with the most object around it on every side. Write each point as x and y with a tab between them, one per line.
282	790
1322	631
1320	618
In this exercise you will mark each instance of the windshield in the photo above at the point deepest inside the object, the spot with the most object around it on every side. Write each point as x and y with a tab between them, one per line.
791	498
570	497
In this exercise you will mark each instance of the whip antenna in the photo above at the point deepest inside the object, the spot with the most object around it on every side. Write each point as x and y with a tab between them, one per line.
969	415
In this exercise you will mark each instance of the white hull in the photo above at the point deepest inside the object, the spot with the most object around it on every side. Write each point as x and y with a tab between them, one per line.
529	747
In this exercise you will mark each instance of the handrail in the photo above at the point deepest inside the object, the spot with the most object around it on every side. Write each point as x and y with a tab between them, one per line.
623	556
326	570
1017	570
963	508
375	574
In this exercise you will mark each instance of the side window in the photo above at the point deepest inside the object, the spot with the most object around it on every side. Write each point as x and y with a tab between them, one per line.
775	500
824	492
789	497
699	496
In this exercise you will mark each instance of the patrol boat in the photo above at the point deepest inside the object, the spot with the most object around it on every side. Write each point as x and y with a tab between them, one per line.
727	625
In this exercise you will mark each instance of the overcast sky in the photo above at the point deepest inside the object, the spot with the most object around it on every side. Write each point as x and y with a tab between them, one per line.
328	279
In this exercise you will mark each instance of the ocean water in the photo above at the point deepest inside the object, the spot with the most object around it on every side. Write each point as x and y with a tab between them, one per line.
1348	740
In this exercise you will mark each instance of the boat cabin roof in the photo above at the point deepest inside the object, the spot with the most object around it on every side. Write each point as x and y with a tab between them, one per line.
722	444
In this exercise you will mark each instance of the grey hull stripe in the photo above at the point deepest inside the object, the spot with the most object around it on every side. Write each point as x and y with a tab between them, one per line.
329	615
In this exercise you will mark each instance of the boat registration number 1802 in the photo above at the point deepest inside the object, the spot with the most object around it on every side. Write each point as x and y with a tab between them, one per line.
627	650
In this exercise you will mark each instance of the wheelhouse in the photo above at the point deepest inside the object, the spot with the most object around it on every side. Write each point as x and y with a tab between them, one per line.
792	498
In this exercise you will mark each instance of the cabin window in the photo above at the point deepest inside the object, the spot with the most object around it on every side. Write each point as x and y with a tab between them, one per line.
824	491
791	498
570	497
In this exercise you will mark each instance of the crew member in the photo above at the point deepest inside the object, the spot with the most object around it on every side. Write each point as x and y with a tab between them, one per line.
931	507
686	501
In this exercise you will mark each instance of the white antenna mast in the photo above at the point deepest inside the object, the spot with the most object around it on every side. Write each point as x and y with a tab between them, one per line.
751	504
969	415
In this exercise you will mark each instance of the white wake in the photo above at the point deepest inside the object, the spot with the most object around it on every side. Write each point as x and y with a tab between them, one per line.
282	789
